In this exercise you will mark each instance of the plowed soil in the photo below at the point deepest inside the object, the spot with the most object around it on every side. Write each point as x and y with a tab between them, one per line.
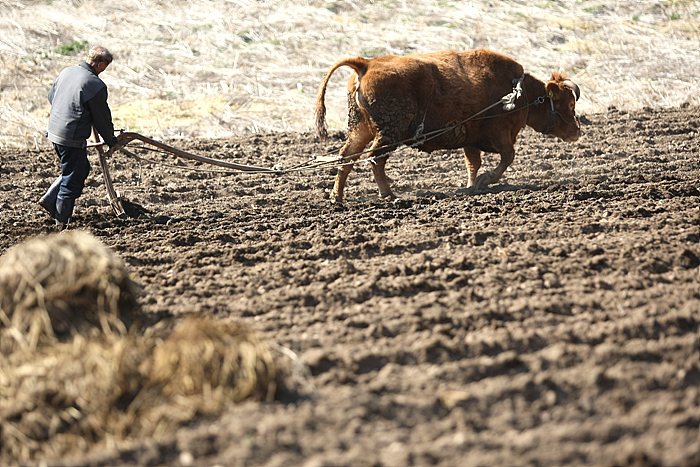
549	320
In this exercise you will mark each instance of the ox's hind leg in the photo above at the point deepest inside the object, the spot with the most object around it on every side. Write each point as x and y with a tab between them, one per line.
472	157
378	156
380	177
359	137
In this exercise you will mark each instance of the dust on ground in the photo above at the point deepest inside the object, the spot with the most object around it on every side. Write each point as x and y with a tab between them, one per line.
550	320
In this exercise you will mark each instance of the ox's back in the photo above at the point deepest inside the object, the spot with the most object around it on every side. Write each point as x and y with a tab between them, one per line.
465	78
398	93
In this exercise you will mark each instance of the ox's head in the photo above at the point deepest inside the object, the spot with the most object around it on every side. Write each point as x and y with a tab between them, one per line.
563	94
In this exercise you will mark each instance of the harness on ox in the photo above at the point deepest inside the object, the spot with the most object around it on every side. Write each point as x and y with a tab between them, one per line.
552	113
508	102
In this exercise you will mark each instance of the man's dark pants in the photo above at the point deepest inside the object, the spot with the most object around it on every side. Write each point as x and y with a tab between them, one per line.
61	196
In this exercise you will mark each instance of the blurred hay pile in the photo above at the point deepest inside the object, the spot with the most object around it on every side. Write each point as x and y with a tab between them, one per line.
93	383
201	357
52	286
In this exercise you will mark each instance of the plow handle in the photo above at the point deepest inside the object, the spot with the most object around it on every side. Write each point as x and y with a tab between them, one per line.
112	195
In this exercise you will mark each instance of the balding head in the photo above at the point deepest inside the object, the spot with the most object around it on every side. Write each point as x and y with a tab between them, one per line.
99	54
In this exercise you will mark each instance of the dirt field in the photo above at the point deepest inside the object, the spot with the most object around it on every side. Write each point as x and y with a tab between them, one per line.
551	320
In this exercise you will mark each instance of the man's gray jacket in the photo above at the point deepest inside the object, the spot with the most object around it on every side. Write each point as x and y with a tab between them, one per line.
78	100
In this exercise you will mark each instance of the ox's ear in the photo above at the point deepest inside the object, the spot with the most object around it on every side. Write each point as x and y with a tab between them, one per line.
552	89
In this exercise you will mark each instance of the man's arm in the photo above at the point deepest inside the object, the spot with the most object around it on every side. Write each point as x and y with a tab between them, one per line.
102	117
52	91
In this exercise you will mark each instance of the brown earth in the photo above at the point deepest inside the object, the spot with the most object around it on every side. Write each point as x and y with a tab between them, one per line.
550	320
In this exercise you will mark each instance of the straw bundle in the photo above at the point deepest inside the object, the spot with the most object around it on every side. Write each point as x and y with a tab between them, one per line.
202	356
67	397
110	389
53	286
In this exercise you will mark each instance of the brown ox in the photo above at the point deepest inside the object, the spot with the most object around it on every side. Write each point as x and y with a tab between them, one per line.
396	100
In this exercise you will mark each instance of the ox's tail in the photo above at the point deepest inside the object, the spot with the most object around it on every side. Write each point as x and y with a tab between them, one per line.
358	64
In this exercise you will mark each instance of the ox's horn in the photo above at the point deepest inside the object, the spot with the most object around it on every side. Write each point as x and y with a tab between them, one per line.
573	86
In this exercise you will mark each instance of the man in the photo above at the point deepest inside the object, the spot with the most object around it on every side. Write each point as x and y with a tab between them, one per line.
78	100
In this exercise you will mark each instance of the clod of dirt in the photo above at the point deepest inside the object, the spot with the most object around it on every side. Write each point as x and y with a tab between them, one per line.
689	260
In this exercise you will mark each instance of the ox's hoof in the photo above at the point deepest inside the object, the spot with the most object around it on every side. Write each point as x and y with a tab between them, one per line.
482	181
337	203
335	198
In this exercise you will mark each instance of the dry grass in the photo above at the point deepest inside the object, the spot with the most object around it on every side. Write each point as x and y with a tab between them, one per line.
213	68
201	357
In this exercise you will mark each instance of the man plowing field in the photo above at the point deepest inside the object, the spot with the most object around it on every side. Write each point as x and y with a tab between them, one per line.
78	100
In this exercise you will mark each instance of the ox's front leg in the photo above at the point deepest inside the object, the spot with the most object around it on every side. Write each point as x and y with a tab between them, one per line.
473	160
484	180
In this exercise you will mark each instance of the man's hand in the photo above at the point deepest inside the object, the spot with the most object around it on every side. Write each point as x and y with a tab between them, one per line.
119	141
116	140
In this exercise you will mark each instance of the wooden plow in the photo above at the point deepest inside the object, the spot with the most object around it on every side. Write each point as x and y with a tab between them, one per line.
127	137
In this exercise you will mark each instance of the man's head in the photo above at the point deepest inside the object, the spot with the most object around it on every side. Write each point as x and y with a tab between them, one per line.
99	58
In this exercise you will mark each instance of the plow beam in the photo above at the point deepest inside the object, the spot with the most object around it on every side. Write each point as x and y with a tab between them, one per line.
127	137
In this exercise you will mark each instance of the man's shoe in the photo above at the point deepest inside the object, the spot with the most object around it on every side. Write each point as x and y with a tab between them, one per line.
48	201
50	208
64	211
